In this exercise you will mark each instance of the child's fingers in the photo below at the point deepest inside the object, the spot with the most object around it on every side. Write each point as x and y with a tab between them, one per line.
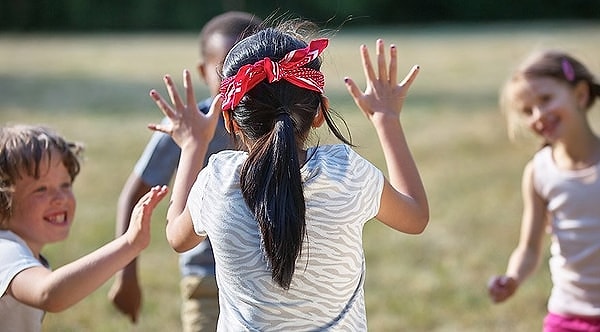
356	93
393	71
352	88
167	111
162	104
156	194
381	64
189	89
215	108
410	77
366	62
153	196
172	90
148	202
163	129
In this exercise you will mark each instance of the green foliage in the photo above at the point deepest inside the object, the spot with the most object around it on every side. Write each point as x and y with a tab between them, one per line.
126	15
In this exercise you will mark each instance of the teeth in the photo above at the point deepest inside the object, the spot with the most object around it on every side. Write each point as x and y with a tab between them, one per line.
58	218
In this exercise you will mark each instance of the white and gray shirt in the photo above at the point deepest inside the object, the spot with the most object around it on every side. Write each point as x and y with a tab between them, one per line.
342	192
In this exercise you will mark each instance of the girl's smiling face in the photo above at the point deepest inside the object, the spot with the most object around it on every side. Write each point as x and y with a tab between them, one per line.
547	106
43	208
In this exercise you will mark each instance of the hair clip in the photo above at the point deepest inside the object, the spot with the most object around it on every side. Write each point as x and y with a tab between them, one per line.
568	71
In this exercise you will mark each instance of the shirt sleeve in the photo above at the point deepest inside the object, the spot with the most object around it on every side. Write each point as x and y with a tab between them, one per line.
371	179
196	198
14	258
159	159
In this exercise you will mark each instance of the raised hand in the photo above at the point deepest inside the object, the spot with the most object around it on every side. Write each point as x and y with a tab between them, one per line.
404	205
383	96
188	125
138	232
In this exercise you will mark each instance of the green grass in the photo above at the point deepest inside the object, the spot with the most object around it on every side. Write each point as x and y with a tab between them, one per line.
93	88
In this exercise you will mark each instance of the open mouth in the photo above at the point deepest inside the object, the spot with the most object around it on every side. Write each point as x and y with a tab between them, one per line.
548	127
57	218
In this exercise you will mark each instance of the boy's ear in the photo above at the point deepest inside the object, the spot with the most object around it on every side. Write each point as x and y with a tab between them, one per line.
320	116
201	67
582	94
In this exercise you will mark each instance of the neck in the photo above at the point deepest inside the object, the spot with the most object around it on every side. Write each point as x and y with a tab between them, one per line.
584	154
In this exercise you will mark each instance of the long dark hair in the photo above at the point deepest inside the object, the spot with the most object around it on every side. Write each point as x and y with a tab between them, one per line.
275	118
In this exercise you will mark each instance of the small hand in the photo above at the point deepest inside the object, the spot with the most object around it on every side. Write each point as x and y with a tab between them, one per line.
384	96
126	296
188	125
138	232
501	287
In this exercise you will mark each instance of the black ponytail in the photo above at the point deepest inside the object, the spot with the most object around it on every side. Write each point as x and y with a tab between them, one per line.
274	119
272	188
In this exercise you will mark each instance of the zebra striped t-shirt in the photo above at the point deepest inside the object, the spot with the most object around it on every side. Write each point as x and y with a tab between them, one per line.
342	192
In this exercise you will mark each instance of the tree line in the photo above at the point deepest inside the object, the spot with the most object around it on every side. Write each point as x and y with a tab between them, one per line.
183	15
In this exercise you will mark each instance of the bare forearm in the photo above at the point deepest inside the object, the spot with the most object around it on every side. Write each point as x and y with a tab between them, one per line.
522	264
71	283
179	230
403	172
190	164
402	169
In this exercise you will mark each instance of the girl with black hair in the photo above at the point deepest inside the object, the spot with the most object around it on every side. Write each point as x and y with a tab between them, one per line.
286	219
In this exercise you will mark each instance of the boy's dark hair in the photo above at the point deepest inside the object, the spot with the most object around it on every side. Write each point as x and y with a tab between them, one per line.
22	151
276	118
233	24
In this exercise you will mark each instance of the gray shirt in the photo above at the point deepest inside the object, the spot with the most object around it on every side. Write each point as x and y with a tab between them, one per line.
157	165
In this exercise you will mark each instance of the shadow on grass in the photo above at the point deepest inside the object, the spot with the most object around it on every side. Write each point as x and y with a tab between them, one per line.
66	95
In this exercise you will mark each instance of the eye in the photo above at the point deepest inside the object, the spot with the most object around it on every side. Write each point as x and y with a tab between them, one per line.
544	99
41	189
526	111
66	185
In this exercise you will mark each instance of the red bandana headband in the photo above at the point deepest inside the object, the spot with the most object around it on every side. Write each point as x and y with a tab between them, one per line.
289	68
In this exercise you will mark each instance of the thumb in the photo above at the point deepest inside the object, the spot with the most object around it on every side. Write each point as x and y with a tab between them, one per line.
215	108
411	76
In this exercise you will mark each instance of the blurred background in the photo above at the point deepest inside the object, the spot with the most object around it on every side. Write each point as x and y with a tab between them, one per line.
85	69
143	15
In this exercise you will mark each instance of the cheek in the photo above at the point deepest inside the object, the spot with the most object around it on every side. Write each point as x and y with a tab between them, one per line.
72	201
532	124
214	82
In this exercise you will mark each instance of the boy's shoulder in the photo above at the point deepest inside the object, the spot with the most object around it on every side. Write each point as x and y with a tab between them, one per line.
15	255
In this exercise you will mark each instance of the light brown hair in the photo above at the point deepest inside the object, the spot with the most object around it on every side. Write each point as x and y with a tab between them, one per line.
22	150
553	64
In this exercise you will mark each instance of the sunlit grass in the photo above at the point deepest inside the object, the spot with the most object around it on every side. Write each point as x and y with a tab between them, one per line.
93	88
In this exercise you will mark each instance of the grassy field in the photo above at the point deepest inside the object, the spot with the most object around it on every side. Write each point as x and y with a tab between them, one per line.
93	89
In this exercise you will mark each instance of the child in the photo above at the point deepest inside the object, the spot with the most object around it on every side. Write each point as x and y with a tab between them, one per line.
285	219
551	94
200	306
37	169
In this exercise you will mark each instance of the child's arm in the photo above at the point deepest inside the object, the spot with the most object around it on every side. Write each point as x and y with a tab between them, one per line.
526	257
126	293
58	290
404	205
192	131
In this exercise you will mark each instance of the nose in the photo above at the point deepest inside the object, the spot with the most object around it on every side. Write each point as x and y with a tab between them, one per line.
59	195
537	112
